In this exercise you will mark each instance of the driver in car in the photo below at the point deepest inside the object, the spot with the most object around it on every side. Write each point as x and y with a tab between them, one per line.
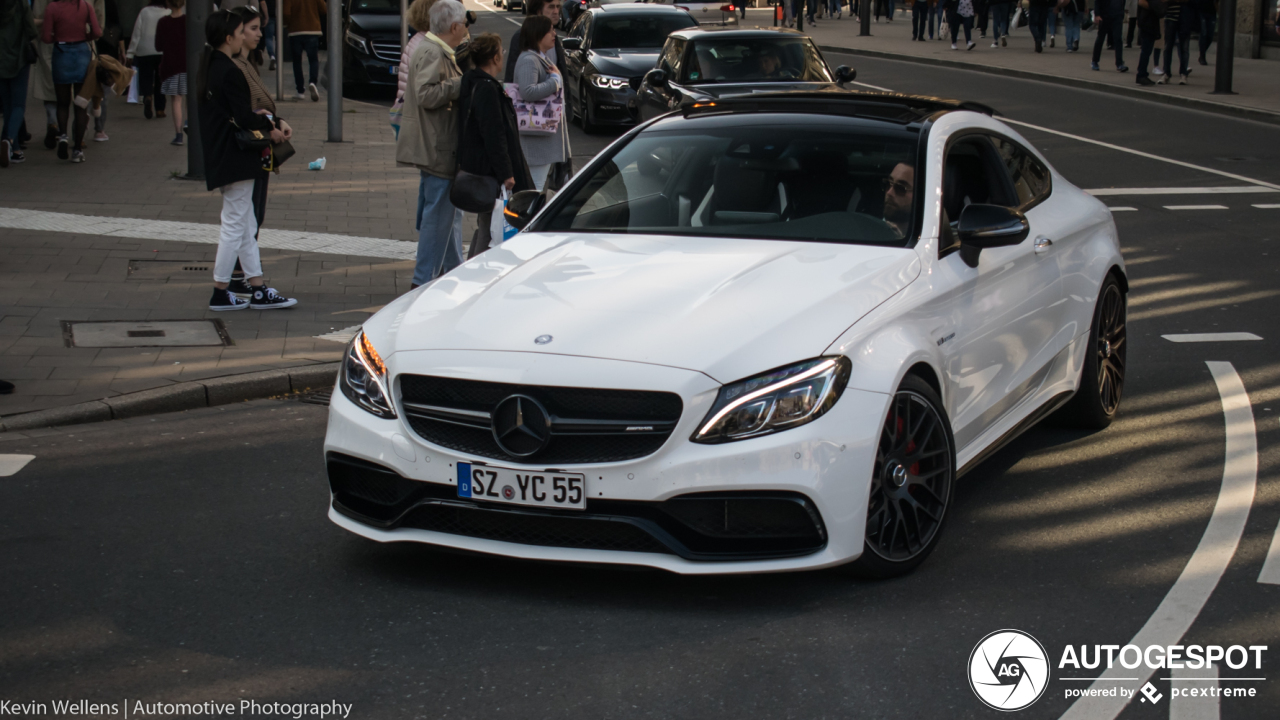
769	63
899	196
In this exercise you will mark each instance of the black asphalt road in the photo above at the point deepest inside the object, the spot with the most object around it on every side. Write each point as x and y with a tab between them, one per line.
188	557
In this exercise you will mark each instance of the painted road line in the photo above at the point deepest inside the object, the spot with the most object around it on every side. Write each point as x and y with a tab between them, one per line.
1268	206
1139	153
1211	337
1191	591
343	336
1196	207
11	464
1193	708
1271	566
1230	190
203	233
873	87
1123	209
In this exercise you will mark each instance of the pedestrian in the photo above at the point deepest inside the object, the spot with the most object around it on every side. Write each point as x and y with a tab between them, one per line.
960	14
1109	16
41	78
226	108
428	139
17	54
171	41
882	7
1178	20
1131	12
302	20
538	79
551	10
65	23
999	22
488	138
935	16
1148	32
250	60
1207	15
980	17
919	14
1037	18
1072	11
143	54
111	44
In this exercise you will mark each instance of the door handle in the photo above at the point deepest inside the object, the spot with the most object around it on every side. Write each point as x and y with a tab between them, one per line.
1043	244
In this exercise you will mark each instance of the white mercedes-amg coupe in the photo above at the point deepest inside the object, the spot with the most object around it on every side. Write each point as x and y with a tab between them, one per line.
760	334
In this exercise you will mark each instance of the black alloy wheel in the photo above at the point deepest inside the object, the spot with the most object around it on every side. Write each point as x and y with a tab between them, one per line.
911	483
1101	389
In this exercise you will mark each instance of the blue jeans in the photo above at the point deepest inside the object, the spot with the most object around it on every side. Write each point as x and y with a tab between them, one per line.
1177	34
439	230
13	103
310	43
1036	17
934	16
919	14
999	21
1071	24
269	35
1207	21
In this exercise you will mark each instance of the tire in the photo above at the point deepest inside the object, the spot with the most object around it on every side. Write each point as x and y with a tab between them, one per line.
1101	387
912	484
588	126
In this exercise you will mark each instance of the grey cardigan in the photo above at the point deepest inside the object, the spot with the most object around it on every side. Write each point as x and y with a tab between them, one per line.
537	83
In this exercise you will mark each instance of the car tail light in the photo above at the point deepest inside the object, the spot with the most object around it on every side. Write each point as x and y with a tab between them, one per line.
681	7
727	8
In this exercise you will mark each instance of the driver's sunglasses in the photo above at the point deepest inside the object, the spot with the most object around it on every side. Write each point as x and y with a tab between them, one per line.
897	187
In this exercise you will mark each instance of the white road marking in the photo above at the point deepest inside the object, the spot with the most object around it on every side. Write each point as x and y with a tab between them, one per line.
873	87
1227	190
1268	206
1196	207
1139	153
1211	337
11	464
203	233
1194	708
1187	597
340	336
1123	209
1271	566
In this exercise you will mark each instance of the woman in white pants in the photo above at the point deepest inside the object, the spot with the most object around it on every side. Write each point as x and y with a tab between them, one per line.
225	108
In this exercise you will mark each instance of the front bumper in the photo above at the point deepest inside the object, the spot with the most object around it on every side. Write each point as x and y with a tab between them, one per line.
825	464
613	107
369	70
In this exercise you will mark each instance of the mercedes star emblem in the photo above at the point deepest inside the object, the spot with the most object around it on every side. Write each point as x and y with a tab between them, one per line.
542	339
521	426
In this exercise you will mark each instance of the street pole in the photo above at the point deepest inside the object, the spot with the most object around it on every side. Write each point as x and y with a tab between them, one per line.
1226	48
335	71
198	12
404	27
279	16
864	17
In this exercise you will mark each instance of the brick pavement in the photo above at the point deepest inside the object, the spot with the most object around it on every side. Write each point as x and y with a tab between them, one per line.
50	277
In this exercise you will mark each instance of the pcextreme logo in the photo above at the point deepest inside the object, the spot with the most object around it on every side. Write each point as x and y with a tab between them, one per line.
1008	670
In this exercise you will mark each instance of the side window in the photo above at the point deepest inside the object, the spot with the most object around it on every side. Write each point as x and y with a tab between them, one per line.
1030	179
579	29
670	61
973	174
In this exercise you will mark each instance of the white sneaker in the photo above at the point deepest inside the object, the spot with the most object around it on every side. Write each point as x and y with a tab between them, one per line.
995	45
1157	71
953	46
300	96
315	94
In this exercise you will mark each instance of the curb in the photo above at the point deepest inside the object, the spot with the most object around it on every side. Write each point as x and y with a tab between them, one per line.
181	396
1134	92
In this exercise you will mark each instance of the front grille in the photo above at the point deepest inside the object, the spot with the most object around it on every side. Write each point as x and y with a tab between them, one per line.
588	425
387	51
698	526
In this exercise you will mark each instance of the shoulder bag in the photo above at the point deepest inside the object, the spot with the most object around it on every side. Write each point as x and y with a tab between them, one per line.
470	192
537	117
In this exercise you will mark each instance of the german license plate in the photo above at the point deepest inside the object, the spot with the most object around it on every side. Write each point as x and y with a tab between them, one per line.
394	69
566	491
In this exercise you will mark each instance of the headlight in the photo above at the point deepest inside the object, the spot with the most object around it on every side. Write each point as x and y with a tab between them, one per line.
609	83
364	378
775	401
358	42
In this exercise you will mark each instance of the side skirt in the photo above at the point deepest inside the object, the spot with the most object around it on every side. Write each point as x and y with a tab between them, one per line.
1026	424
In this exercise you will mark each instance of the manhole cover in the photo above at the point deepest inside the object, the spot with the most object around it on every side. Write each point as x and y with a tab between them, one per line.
129	333
169	270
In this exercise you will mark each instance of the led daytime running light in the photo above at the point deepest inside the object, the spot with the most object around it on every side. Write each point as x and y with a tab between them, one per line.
814	371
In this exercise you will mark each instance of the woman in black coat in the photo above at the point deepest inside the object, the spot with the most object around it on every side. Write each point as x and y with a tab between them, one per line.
225	109
488	142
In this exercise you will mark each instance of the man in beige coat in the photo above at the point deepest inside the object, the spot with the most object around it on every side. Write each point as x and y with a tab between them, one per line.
429	139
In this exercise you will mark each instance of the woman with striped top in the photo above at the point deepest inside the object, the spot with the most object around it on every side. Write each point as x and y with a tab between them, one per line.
171	41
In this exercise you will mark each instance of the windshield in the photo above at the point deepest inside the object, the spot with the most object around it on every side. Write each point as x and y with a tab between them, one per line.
373	6
637	31
792	181
758	59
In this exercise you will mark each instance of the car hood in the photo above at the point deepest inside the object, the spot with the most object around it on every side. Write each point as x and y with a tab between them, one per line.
376	22
732	89
623	63
729	308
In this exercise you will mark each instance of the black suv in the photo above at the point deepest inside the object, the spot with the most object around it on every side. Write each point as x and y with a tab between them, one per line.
371	45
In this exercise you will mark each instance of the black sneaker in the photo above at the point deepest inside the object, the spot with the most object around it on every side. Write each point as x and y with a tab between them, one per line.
17	156
146	108
51	137
6	387
4	153
240	288
1145	81
64	148
223	300
265	298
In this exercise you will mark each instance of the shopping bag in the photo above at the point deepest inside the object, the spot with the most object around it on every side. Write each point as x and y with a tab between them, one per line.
395	115
133	90
499	229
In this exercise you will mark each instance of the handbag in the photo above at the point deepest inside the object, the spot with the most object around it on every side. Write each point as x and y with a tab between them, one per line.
29	53
537	117
282	152
473	193
251	139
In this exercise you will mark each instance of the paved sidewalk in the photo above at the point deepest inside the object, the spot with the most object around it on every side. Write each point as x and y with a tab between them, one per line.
101	271
1255	81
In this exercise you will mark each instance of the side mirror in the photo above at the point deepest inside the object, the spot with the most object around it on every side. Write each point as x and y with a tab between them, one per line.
845	74
657	77
523	206
989	226
571	43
